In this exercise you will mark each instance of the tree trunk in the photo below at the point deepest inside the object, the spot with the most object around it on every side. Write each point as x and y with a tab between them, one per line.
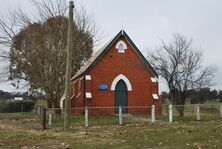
178	98
180	110
57	109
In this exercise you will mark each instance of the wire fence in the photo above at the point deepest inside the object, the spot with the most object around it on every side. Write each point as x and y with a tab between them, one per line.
90	116
192	112
93	116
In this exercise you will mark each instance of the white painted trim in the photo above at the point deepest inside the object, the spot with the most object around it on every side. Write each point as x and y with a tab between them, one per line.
153	79
88	77
124	46
155	96
116	80
88	95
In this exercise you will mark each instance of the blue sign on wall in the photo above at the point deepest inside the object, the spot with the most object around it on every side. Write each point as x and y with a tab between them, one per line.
102	87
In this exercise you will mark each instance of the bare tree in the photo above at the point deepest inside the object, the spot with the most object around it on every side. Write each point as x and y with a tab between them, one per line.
38	45
179	64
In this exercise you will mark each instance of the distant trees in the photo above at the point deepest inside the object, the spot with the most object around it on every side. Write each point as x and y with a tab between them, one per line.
213	94
5	95
179	64
198	96
202	95
164	96
38	48
220	95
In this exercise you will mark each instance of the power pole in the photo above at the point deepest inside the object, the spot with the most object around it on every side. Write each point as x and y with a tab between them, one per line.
68	68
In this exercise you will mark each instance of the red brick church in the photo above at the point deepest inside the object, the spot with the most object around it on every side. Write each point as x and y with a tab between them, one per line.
117	74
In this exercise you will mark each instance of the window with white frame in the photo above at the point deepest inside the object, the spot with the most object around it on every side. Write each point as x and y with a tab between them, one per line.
121	46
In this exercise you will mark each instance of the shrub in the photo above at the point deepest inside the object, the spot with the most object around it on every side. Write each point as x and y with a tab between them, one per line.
11	106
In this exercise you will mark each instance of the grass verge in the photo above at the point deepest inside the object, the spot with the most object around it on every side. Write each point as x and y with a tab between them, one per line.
139	135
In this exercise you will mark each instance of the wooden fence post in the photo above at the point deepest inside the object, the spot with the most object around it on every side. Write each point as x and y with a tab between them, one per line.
86	117
198	112
43	117
153	113
120	115
170	113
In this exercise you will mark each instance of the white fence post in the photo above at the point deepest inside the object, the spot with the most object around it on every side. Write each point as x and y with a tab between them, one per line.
120	115
198	112
220	111
50	120
170	113
86	117
153	113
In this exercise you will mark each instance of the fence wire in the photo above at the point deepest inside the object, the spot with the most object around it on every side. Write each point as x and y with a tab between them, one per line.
54	117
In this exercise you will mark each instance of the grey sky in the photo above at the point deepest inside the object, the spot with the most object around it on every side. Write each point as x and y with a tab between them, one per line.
148	21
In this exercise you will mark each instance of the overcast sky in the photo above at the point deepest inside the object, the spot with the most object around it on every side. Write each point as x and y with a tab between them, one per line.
148	21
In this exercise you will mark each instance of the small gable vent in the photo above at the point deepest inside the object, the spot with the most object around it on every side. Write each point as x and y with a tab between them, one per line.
121	46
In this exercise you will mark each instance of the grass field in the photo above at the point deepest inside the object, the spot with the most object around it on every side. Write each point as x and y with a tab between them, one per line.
137	135
22	130
17	131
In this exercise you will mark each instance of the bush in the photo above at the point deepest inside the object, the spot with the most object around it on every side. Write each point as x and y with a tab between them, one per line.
11	106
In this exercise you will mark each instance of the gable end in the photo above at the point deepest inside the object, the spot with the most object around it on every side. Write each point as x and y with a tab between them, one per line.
121	33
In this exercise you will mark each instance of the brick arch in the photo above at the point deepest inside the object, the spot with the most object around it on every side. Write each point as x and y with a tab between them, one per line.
124	78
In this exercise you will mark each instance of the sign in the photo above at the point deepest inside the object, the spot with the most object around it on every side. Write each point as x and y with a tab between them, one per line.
103	87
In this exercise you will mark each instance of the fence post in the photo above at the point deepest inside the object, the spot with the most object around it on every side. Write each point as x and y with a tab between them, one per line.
153	113
220	111
50	120
43	117
86	117
170	113
120	115
198	112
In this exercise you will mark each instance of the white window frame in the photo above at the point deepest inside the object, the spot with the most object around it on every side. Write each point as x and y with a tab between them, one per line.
119	44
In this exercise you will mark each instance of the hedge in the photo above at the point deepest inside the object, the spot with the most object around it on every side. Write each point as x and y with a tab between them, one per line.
11	106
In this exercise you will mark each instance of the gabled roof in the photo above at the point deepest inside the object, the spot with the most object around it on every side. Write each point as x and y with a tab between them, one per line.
100	53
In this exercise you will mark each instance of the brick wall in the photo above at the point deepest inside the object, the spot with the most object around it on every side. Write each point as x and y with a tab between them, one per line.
131	66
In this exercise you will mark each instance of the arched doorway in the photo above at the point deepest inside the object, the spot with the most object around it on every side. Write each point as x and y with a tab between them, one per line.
121	95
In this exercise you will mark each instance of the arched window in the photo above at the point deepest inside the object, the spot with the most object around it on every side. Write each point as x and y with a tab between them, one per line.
121	46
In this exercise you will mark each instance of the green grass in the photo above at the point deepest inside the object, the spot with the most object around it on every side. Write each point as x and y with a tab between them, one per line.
42	102
189	118
19	115
93	121
144	135
16	131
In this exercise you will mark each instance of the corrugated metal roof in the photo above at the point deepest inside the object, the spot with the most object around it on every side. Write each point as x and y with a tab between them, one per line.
90	60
